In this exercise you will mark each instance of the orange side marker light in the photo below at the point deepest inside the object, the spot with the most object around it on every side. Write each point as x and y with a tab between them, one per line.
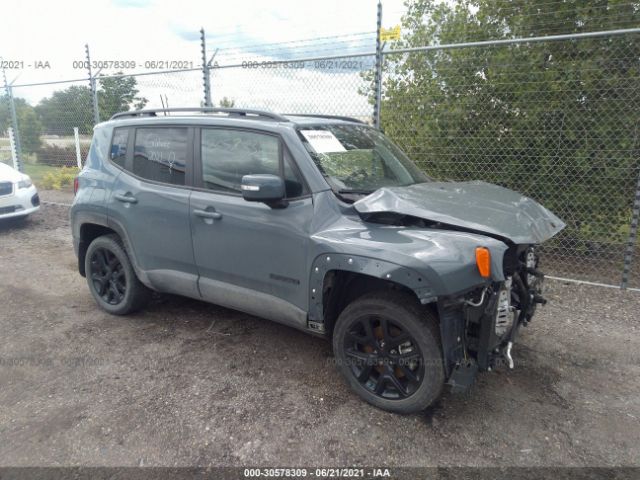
483	261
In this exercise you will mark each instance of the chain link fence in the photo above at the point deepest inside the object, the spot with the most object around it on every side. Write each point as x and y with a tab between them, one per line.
47	136
5	150
555	120
176	88
329	86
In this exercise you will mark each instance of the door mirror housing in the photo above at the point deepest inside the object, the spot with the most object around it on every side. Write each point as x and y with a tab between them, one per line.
264	188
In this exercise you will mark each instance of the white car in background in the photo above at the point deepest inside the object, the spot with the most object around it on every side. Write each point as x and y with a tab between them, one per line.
18	194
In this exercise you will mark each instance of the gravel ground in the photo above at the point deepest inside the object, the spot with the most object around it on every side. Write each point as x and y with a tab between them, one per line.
187	383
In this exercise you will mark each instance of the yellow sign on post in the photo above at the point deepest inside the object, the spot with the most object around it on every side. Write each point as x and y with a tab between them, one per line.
389	34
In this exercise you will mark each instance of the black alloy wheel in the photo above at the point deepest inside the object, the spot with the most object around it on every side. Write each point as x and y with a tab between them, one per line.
107	275
111	277
388	348
384	358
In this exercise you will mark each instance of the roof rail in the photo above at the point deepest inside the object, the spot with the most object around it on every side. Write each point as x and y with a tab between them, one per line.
333	117
239	112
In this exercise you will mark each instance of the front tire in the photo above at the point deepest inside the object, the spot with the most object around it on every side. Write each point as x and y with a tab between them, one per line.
388	348
111	277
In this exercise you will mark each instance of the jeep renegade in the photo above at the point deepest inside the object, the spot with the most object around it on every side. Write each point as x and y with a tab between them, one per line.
320	223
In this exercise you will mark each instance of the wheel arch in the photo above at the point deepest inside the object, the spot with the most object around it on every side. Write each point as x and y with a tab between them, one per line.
88	233
92	228
338	279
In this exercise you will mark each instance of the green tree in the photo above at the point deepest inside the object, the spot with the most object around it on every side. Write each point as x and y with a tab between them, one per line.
227	103
73	106
66	109
30	130
118	94
5	116
554	120
28	123
5	113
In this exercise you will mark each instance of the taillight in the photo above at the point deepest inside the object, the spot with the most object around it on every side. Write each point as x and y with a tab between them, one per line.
75	185
483	261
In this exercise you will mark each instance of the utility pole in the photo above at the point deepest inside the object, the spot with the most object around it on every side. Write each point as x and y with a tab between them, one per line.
94	90
633	227
15	132
205	70
378	79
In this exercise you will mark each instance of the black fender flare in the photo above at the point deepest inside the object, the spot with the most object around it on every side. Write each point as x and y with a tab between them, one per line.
373	267
84	218
122	233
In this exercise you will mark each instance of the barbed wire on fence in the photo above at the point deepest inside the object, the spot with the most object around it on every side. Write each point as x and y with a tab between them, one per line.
553	118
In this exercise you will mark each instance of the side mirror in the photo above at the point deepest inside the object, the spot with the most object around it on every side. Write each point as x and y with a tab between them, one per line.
264	188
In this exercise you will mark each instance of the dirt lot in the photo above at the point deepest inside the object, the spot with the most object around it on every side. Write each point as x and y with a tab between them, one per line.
187	383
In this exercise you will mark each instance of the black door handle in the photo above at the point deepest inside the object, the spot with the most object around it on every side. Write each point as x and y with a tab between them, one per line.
212	214
126	198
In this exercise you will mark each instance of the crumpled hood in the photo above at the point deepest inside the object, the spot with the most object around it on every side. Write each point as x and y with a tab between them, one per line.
476	206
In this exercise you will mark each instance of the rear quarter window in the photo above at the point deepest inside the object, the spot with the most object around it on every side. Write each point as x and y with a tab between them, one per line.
118	153
160	154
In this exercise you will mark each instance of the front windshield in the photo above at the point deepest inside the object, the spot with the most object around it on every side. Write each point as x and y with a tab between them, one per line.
357	159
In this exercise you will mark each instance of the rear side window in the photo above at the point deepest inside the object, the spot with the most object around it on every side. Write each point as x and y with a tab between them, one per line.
160	154
228	155
119	146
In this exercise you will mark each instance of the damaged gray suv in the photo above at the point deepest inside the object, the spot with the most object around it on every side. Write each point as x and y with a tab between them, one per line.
320	223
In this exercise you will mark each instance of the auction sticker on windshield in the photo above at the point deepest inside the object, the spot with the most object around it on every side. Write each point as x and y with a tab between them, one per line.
323	141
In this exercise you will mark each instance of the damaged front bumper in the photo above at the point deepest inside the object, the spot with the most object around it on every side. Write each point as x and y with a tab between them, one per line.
478	329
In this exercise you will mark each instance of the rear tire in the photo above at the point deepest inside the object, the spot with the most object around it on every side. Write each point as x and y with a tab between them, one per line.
388	348
111	277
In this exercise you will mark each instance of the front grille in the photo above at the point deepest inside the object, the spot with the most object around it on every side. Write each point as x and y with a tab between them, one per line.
6	188
10	209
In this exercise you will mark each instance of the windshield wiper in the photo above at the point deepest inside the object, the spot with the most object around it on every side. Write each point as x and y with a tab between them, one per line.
355	191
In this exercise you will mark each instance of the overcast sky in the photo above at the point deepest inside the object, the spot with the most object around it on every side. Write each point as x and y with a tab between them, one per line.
140	30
